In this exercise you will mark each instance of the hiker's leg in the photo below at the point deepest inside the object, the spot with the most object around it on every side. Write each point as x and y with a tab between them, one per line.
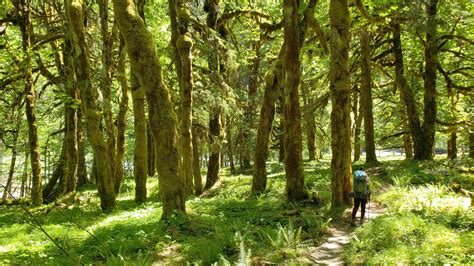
356	207
362	211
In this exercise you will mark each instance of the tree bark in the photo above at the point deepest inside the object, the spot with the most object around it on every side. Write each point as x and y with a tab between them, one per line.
81	165
341	181
310	123
230	145
292	113
471	143
431	59
366	98
196	166
8	186
215	148
358	117
147	68
150	150
106	85
406	92
105	181
183	45
121	119
22	8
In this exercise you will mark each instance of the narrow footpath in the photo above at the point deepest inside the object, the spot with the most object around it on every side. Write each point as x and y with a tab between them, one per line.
330	252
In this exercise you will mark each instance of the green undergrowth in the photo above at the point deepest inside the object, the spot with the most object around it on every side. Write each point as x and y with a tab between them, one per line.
425	221
230	226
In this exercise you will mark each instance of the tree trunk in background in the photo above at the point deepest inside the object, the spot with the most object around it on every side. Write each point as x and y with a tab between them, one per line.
89	96
366	98
8	186
24	178
230	145
310	123
140	168
407	144
292	113
471	143
150	150
148	70
22	8
70	136
341	181
121	119
184	44
140	152
212	9
273	81
49	193
452	145
81	165
358	117
196	166
215	148
106	87
406	92
431	59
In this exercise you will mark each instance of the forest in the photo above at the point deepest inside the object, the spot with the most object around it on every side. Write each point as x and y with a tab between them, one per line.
233	132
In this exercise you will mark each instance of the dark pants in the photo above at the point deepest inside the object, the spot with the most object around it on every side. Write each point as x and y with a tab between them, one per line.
362	203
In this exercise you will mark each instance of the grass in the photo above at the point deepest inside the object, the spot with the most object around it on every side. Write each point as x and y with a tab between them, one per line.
425	222
231	226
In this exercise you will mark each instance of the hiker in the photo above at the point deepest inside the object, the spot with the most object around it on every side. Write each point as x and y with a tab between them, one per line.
361	193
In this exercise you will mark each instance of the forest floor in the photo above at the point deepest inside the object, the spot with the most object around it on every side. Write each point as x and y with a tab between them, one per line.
417	218
339	236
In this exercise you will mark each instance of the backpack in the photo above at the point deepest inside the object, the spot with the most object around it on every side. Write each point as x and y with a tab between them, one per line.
361	184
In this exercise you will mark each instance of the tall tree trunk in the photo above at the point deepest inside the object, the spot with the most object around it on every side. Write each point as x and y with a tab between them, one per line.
150	151
230	145
358	117
182	45
196	166
273	82
106	87
121	119
24	178
147	68
340	87
406	92
58	179
212	9
310	123
22	8
471	143
452	145
8	186
366	98
215	148
431	58
70	135
105	184
292	114
81	164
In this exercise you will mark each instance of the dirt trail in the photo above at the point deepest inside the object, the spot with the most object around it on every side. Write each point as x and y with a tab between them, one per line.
330	252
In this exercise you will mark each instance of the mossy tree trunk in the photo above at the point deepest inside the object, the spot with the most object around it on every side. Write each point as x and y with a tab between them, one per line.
215	126
140	151
121	118
150	150
292	113
106	87
366	98
182	45
8	186
230	144
22	9
341	181
148	70
310	123
429	99
196	166
89	96
358	117
81	164
70	135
